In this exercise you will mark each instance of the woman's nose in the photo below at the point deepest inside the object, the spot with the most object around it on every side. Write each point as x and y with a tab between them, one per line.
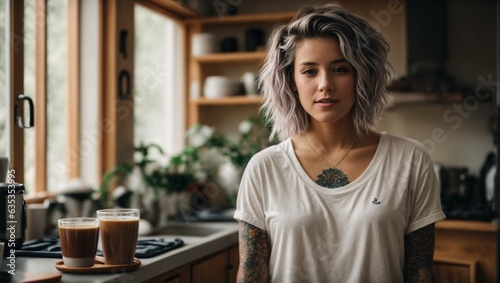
326	82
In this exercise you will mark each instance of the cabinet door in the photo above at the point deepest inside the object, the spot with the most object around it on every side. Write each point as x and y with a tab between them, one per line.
211	269
454	270
178	275
234	262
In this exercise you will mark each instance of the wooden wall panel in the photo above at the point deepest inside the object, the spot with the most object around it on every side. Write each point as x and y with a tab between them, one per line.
117	112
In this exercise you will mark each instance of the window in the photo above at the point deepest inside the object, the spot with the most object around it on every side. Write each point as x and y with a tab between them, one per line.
45	61
158	77
57	170
3	80
40	37
29	90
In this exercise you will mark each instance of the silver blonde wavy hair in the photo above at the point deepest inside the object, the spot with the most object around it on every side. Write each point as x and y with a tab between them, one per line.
362	46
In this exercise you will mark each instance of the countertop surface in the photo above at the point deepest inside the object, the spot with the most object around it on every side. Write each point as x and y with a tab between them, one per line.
200	239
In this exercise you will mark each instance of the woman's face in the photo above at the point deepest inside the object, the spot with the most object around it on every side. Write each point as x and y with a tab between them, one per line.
324	80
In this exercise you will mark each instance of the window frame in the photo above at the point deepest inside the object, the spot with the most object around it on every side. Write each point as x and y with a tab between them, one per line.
111	150
16	78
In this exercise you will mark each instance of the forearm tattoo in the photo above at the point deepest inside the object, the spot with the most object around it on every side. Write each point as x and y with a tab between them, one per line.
254	254
419	251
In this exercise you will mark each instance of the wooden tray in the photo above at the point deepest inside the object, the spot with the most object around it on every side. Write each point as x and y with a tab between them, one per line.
26	277
99	267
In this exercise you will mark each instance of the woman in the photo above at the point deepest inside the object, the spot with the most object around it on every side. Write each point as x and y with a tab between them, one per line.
334	201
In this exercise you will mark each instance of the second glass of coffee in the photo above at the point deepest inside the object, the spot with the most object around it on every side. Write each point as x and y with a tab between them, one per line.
119	233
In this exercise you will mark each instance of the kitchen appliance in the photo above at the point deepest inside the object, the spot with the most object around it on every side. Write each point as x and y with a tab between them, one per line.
76	196
462	196
486	182
12	216
4	168
456	185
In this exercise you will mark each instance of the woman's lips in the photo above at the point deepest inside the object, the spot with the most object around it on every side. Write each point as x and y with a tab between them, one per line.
326	102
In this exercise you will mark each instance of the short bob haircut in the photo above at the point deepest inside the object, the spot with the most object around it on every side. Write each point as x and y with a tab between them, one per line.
362	46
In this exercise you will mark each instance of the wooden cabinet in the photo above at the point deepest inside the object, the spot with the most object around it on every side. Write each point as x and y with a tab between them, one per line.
220	267
453	269
177	275
214	111
234	262
465	251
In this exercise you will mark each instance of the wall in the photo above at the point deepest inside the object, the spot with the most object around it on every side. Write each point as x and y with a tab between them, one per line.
471	39
467	126
385	15
454	135
466	129
89	92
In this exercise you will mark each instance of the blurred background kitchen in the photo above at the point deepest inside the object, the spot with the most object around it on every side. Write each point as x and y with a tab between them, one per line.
153	104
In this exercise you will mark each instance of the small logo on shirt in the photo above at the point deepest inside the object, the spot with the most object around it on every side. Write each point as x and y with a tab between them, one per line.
375	201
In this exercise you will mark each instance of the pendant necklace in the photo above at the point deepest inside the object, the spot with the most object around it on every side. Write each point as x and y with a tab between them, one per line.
331	177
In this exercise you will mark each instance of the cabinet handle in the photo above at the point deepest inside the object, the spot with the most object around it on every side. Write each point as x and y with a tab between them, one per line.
229	266
169	279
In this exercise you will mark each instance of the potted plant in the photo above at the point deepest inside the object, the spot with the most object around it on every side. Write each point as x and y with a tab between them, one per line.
209	160
253	136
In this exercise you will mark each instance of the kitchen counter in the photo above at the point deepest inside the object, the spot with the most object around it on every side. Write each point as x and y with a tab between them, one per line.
475	242
221	235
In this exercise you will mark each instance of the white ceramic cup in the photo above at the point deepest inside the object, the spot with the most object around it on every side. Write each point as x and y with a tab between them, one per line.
36	215
203	43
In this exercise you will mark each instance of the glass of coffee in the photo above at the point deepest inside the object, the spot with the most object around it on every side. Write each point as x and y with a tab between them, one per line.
78	237
119	233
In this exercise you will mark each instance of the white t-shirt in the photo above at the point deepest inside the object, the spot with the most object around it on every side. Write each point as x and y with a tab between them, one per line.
353	233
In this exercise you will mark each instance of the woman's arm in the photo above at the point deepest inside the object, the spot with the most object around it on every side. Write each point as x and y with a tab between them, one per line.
419	252
254	254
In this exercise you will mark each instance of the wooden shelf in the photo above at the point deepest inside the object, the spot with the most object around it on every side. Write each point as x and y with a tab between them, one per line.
231	57
401	98
170	8
231	100
465	225
200	110
243	19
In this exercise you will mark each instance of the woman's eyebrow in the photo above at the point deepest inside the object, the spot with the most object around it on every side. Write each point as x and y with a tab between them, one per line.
314	63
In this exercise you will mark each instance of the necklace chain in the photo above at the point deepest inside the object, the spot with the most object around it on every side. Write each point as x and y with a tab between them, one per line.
322	159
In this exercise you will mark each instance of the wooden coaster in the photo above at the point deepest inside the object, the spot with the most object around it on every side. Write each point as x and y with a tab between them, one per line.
99	267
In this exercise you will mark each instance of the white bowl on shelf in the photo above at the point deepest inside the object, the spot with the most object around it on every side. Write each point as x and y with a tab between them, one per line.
219	86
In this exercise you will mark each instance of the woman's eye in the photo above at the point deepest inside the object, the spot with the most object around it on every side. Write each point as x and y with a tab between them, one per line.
309	72
341	70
